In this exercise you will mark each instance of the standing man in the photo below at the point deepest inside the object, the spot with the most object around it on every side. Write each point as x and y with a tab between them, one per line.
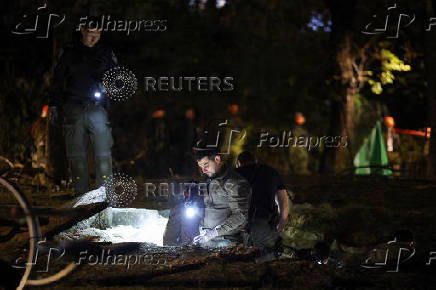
265	220
77	96
226	202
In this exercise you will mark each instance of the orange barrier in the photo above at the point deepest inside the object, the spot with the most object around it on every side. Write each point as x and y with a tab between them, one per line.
426	134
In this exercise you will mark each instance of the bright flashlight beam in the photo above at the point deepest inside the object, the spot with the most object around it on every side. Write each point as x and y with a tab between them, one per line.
190	212
97	95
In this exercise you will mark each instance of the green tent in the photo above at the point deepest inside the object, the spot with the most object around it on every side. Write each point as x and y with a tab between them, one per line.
372	154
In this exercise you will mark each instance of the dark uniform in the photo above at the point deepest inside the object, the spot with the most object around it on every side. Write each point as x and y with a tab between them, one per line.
263	215
76	84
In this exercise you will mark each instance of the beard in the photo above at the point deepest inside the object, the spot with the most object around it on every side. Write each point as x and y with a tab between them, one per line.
218	171
213	175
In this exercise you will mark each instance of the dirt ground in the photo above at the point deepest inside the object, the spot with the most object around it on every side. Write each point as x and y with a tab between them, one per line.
364	212
237	270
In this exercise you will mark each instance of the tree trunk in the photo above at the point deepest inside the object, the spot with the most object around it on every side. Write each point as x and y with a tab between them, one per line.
346	84
430	69
57	167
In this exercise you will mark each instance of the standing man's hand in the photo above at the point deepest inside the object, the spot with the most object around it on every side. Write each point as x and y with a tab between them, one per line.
53	115
283	203
281	224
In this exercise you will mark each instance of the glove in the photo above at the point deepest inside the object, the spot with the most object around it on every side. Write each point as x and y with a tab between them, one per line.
53	115
205	236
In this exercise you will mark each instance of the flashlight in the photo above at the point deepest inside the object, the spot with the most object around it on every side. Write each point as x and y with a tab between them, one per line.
190	211
97	95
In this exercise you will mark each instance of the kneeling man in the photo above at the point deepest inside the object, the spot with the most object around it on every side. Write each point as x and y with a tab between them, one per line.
226	202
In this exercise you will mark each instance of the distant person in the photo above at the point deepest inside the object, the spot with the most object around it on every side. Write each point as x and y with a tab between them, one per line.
77	96
158	145
266	221
299	155
182	133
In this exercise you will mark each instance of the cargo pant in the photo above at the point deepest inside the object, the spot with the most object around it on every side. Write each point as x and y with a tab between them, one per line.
265	238
84	123
263	234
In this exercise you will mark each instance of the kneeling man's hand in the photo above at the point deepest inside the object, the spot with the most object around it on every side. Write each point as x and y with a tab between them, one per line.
205	236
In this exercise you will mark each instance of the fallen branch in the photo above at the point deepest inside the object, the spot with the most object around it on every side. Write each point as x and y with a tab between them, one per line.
79	214
4	159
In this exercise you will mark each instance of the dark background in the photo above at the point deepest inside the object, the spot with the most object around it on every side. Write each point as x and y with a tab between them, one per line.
285	57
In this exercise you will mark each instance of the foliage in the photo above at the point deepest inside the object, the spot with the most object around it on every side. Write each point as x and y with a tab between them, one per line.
389	63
